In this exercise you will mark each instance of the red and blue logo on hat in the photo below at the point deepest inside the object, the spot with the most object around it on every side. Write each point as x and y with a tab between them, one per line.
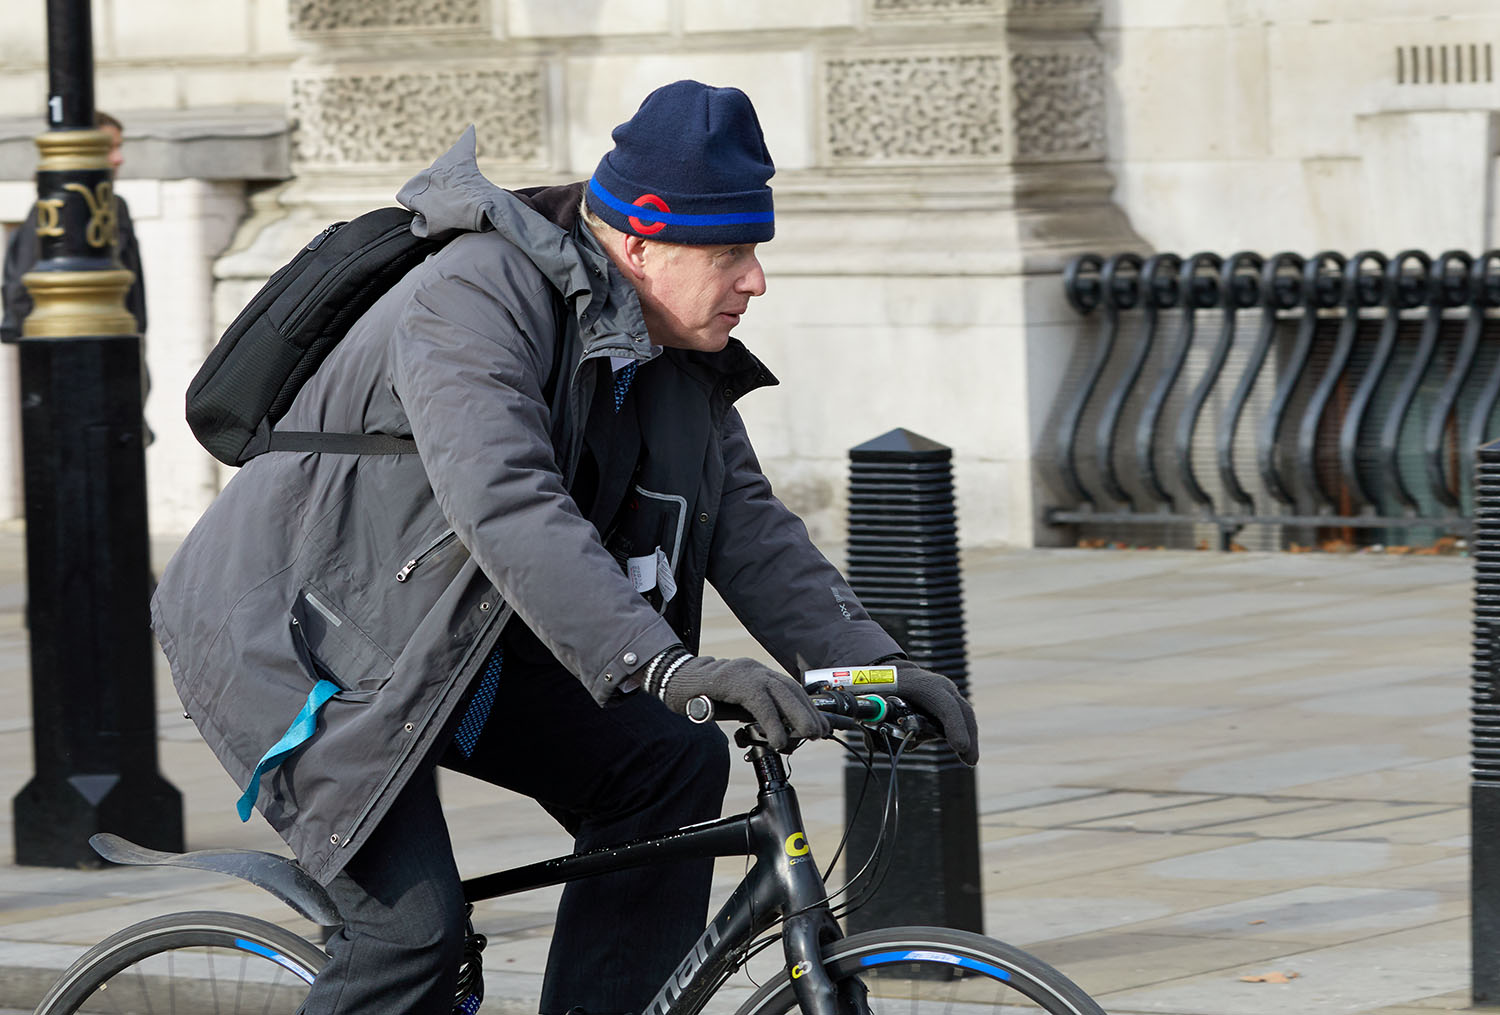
648	201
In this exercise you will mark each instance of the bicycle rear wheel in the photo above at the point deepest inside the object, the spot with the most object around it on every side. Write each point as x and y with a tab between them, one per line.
190	962
934	971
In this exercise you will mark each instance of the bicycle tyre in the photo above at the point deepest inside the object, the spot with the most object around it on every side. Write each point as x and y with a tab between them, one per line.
935	970
137	969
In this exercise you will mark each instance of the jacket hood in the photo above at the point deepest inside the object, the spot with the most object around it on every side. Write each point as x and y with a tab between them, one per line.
452	194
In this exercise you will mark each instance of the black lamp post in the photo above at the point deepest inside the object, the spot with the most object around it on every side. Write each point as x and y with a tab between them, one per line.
87	553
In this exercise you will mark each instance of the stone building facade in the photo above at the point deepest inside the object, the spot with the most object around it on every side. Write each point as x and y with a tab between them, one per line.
938	161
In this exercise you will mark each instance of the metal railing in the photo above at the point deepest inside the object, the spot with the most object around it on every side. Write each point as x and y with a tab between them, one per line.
1295	393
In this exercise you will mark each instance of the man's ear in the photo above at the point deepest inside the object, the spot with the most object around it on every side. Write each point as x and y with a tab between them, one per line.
634	251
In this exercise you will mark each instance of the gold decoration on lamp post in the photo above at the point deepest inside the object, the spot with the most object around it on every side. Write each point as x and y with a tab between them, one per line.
69	303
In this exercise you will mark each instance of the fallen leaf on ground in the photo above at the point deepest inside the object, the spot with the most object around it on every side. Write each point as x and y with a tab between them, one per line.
1273	977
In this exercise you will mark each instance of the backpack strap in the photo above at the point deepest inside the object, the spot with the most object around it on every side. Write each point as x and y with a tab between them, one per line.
385	444
341	443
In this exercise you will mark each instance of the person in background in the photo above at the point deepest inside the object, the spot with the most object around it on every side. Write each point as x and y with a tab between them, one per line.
21	251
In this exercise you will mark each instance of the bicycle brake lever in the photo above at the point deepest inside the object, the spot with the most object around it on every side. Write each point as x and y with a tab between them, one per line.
843	722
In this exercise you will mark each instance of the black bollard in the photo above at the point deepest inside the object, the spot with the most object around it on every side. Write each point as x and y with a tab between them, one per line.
87	553
1484	790
903	565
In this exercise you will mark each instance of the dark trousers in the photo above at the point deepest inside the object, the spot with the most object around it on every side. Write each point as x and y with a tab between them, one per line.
607	775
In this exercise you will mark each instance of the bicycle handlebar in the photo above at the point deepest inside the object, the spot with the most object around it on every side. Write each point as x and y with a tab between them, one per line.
887	714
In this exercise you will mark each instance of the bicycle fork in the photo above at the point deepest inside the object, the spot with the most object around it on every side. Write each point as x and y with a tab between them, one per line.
803	937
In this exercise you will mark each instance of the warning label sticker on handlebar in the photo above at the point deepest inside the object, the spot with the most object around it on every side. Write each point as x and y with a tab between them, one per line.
852	676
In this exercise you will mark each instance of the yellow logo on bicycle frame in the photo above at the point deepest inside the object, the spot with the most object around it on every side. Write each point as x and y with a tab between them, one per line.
796	845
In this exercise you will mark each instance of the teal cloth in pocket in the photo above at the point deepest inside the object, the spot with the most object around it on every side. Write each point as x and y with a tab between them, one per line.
297	734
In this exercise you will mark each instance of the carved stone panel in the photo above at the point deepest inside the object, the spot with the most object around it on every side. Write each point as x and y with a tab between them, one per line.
369	119
311	16
913	109
1059	103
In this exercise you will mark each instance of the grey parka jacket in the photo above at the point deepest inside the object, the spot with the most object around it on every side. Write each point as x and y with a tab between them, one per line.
394	574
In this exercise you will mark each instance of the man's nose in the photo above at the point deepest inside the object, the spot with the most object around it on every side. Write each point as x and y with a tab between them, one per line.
754	280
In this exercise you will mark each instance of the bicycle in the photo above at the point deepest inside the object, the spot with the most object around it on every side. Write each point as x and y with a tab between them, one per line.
172	963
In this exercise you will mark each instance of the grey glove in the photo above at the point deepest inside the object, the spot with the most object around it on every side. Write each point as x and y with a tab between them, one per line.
938	697
775	701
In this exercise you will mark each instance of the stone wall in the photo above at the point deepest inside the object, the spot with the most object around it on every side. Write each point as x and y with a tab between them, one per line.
157	55
1304	124
938	161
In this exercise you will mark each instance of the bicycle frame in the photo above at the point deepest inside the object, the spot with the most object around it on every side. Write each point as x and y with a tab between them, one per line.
784	885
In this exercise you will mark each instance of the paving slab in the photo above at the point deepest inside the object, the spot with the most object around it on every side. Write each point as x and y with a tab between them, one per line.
1318	915
1198	767
1361	975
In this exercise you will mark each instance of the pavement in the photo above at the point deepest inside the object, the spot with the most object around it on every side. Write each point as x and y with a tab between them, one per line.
1202	773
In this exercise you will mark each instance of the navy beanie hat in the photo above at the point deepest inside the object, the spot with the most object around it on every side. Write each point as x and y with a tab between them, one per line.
689	167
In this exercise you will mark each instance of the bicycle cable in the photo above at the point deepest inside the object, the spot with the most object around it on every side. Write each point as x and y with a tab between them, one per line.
867	760
890	823
858	803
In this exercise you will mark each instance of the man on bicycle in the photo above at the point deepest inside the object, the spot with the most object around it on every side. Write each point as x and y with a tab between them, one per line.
521	599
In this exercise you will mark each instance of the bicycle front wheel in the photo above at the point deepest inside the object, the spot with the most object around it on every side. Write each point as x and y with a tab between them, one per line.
933	971
190	962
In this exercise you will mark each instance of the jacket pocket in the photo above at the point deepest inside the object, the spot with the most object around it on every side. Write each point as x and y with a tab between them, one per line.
337	648
646	538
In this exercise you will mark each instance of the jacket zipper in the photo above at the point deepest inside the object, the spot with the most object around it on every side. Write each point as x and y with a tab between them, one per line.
433	547
336	274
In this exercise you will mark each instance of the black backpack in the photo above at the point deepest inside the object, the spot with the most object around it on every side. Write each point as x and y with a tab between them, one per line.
249	380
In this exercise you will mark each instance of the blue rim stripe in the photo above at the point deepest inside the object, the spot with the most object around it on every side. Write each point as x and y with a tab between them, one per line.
274	956
886	958
673	218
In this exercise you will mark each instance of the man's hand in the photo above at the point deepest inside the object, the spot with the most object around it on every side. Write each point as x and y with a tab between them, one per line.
939	697
776	701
